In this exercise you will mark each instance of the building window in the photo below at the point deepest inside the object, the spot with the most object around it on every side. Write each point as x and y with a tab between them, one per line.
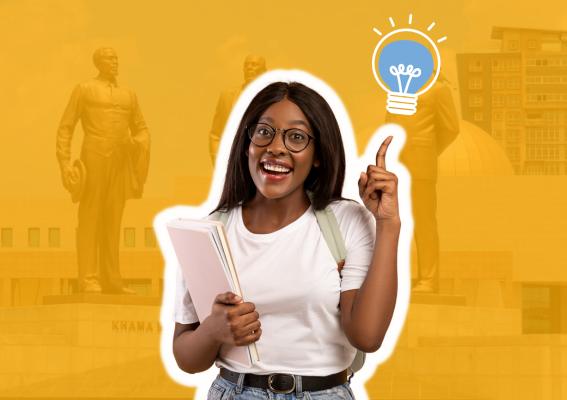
551	46
513	153
551	79
475	83
552	169
532	44
475	66
498	83
513	45
513	117
513	100
129	237
497	65
513	65
512	135
497	133
498	100
533	79
7	237
475	100
513	83
33	237
541	309
54	237
149	237
478	116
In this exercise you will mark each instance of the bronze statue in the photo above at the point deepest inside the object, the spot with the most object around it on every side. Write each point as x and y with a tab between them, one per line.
429	131
252	68
113	167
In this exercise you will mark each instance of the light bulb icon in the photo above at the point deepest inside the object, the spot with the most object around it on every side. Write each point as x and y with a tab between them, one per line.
405	63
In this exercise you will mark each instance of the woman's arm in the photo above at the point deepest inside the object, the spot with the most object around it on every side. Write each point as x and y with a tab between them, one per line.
194	348
232	321
366	312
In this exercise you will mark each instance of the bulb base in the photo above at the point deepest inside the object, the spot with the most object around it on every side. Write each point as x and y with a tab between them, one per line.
401	103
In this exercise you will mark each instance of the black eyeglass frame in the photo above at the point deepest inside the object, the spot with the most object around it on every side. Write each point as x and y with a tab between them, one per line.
250	132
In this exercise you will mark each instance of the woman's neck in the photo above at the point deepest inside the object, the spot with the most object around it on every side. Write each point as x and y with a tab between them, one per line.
263	215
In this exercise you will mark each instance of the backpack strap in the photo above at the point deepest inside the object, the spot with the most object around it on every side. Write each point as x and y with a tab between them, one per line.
220	216
331	232
330	229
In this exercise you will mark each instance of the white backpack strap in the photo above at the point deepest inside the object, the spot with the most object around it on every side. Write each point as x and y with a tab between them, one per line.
220	216
332	233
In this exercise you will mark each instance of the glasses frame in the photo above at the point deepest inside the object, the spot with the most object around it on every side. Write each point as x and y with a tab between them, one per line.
249	130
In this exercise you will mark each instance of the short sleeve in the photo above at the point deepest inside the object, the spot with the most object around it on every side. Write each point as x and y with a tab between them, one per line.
184	311
358	227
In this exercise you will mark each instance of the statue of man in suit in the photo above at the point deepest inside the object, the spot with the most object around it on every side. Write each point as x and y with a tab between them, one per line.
252	68
429	131
114	164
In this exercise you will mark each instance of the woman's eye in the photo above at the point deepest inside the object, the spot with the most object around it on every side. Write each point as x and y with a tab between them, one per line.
263	132
297	136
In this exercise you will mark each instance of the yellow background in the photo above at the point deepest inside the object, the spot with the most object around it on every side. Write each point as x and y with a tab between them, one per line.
502	236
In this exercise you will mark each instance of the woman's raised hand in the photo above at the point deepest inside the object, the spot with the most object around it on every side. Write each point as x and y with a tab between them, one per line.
234	322
378	188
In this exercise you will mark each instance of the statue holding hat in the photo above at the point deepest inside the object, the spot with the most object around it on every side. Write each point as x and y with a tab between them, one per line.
112	168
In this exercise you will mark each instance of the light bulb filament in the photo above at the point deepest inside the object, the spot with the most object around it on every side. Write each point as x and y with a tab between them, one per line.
408	71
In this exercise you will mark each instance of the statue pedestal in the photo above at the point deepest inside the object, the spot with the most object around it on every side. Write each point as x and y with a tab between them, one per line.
70	335
441	299
93	298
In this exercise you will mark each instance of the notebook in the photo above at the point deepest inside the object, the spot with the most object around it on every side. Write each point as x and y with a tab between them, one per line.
208	269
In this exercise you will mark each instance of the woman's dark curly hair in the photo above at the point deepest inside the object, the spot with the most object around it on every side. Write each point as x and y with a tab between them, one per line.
324	182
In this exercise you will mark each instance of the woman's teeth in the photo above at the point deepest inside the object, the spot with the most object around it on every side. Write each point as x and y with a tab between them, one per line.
276	168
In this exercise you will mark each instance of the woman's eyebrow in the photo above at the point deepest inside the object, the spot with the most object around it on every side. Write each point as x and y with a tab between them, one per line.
299	122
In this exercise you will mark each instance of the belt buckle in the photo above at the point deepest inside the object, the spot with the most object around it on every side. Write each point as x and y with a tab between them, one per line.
270	382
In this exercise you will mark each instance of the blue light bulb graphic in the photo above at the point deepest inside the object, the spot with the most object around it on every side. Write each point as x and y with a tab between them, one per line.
405	68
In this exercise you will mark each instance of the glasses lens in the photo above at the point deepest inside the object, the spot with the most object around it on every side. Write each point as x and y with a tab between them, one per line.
296	140
261	134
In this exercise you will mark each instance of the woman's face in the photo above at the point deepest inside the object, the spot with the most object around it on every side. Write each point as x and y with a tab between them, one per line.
293	168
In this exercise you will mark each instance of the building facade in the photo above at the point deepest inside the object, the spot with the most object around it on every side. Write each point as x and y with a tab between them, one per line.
519	96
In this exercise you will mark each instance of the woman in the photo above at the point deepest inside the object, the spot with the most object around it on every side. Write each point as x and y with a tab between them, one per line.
306	317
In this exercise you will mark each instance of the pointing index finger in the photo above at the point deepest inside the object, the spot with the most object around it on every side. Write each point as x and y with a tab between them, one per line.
381	155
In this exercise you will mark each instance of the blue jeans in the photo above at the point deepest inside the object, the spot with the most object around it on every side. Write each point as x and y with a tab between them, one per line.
222	389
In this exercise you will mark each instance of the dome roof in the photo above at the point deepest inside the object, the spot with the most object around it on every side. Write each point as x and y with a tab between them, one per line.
474	153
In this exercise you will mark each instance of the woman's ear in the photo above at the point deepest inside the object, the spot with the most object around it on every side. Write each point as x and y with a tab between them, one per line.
316	163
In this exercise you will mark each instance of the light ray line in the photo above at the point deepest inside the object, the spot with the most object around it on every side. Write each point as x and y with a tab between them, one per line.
442	39
377	31
410	18
430	27
392	22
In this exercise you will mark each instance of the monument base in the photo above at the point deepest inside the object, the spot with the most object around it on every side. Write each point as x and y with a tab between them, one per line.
95	298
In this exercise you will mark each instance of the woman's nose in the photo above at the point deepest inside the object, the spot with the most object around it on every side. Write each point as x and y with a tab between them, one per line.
277	145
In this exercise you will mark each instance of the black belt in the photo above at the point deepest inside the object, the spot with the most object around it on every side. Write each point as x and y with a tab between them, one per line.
285	383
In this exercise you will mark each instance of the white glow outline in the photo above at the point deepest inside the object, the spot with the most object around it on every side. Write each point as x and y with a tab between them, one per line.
376	76
354	165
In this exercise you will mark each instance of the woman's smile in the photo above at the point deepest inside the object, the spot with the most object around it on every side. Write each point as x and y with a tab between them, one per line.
275	170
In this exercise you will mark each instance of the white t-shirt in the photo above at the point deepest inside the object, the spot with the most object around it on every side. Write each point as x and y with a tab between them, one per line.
292	278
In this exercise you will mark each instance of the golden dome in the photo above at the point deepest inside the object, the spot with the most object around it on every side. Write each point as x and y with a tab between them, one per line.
474	153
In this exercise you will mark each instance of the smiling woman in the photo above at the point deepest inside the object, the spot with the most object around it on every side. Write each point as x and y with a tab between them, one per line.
294	106
306	316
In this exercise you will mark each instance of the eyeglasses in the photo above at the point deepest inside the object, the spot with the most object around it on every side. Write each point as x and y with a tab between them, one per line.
295	140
